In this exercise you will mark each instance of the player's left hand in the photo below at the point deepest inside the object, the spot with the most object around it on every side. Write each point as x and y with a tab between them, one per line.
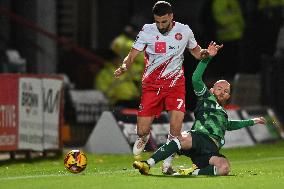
213	48
259	120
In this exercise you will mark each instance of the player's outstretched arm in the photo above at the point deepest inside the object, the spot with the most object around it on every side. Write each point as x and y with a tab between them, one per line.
128	60
238	124
198	84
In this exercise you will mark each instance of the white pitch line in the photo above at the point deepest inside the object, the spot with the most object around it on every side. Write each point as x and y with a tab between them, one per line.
67	174
123	171
30	177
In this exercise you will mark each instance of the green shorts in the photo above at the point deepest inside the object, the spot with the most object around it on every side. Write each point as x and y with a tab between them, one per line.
203	148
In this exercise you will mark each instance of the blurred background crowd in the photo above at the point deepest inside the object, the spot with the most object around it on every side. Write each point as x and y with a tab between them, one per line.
87	40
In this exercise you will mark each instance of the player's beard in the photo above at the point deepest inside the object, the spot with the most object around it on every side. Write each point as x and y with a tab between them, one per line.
221	101
164	30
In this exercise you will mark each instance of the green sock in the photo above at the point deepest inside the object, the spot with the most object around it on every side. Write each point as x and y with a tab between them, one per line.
164	151
209	170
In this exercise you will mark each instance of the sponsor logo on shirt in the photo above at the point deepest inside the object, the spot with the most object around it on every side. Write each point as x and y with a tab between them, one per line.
160	47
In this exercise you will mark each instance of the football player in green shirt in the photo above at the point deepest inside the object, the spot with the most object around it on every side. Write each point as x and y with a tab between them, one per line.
203	142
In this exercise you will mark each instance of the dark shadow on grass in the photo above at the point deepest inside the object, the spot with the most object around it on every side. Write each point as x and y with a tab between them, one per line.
189	176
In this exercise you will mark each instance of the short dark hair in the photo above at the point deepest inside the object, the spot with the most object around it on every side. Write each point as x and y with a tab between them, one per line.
162	8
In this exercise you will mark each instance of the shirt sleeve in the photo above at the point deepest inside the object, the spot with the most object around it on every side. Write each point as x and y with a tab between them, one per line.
199	86
191	43
140	41
238	124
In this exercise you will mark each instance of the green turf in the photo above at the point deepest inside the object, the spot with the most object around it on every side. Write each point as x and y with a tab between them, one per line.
258	167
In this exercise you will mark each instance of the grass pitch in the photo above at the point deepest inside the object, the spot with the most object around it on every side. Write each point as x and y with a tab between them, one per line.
260	167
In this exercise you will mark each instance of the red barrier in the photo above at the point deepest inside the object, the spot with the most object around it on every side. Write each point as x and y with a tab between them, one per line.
30	112
8	112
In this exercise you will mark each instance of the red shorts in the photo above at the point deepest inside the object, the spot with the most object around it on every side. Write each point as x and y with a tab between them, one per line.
155	100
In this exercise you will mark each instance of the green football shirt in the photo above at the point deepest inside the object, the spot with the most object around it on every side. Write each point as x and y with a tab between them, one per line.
211	118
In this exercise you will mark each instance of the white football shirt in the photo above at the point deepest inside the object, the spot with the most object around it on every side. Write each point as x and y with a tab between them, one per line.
164	53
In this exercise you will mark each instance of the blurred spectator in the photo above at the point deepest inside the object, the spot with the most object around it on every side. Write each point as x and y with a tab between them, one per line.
263	21
123	92
280	43
271	17
122	44
225	24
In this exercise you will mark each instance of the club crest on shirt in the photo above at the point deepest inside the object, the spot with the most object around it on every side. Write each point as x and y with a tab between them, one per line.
178	36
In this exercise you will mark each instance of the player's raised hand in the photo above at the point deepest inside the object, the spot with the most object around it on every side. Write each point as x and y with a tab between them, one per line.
259	120
213	48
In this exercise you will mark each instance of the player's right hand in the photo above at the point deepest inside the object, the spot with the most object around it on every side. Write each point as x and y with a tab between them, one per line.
119	71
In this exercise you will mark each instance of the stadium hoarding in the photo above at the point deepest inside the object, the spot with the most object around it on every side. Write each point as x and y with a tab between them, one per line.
31	109
30	114
248	136
52	93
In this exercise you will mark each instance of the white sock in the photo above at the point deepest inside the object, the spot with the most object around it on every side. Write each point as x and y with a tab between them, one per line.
215	170
195	172
151	162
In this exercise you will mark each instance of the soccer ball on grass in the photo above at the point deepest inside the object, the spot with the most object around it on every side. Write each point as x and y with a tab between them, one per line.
75	161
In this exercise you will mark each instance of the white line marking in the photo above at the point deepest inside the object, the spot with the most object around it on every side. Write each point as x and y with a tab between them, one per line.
122	171
30	177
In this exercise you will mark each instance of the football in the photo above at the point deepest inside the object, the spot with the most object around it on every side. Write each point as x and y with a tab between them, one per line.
75	161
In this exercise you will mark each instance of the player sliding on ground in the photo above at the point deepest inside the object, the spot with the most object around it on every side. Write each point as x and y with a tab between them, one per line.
203	142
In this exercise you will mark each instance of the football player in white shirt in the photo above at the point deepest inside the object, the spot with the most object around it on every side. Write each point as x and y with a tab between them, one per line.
163	82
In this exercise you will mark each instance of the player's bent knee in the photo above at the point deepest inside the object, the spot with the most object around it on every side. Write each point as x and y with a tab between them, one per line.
222	165
223	169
